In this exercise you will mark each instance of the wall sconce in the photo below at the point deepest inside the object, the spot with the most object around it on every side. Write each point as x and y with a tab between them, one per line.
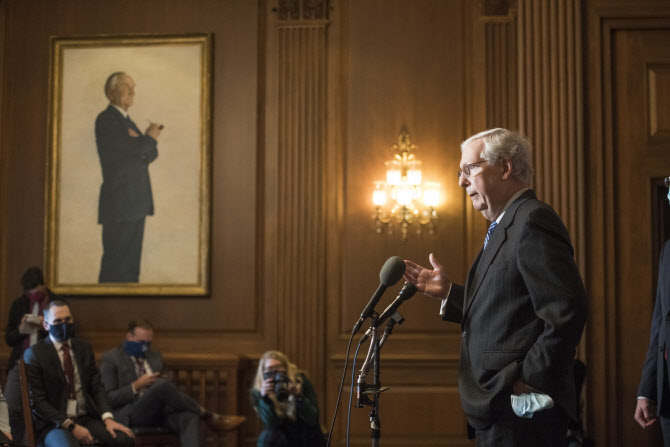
411	200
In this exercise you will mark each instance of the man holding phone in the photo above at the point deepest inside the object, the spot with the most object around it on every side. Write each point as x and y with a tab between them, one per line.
140	397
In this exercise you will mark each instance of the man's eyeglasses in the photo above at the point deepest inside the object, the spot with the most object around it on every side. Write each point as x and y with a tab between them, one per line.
466	169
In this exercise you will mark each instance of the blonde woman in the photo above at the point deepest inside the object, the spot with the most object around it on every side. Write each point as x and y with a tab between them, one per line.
286	402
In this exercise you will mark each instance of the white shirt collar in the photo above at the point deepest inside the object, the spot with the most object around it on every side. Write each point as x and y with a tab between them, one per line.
509	202
59	344
123	112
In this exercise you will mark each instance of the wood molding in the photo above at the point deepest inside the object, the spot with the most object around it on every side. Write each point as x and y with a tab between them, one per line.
551	107
302	10
300	231
419	385
5	301
601	410
496	8
534	82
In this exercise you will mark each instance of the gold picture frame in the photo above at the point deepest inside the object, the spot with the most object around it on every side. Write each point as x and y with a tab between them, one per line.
170	76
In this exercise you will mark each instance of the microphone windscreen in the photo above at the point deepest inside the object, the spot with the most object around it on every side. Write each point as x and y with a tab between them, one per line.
392	271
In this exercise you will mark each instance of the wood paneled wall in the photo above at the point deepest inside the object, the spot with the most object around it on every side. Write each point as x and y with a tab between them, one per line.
301	136
308	98
395	64
551	106
624	160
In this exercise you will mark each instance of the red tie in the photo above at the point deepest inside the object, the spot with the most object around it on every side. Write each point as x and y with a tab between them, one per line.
69	370
140	366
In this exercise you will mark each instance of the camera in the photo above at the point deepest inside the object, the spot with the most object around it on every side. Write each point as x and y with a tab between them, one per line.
281	383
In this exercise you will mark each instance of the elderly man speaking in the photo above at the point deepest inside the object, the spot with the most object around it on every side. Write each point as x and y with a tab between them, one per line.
523	307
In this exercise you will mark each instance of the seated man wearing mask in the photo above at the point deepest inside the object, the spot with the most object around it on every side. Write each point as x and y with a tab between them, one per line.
140	397
67	397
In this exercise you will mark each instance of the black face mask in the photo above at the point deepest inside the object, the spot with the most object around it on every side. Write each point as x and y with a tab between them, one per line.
62	331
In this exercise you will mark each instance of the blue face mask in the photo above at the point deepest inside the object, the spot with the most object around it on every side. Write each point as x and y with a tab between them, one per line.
136	348
61	332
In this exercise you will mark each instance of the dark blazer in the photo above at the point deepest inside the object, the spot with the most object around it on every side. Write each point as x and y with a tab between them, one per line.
13	337
522	311
48	386
651	383
125	194
117	370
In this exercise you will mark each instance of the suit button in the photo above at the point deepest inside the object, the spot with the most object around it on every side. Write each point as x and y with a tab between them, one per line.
660	349
464	334
667	318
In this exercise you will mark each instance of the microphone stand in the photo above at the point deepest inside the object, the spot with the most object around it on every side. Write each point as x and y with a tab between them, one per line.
375	389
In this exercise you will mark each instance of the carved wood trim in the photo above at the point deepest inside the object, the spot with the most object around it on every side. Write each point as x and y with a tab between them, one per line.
300	230
551	107
302	9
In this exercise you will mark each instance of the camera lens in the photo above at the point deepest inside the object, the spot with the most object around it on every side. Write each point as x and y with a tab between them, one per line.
281	385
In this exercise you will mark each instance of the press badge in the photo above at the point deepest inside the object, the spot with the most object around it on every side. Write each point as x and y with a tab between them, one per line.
71	408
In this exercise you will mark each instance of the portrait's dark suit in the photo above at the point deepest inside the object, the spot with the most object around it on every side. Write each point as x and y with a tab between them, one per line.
162	404
522	312
125	195
655	366
49	391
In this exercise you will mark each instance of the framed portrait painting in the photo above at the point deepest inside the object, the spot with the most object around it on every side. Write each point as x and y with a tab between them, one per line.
128	172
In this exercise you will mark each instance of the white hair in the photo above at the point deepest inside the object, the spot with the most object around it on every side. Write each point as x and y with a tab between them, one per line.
112	82
502	143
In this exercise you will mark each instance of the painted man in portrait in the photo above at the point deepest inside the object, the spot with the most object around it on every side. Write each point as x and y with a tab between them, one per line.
125	195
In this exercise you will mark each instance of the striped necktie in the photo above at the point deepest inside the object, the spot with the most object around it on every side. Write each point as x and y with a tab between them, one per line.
68	367
490	233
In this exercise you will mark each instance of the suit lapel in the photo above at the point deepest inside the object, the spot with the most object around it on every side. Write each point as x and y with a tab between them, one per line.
127	121
54	359
128	363
471	274
486	257
77	355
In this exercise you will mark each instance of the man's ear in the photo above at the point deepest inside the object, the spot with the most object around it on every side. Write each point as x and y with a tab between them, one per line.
128	336
508	167
45	325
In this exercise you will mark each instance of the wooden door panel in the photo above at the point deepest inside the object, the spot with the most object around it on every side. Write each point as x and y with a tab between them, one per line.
641	155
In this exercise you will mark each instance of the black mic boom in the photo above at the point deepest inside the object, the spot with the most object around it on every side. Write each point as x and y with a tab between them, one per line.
390	274
407	292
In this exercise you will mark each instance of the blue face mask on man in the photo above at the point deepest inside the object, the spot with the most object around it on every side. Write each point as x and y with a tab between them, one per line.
62	332
136	348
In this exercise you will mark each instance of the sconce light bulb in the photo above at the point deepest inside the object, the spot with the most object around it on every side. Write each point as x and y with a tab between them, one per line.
379	197
431	196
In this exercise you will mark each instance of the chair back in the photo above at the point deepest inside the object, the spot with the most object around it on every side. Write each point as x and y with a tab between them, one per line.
29	440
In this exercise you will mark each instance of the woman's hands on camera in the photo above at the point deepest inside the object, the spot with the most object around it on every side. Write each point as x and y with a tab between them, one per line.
295	388
268	386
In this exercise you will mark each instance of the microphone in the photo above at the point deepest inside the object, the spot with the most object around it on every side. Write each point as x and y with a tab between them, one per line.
407	292
390	274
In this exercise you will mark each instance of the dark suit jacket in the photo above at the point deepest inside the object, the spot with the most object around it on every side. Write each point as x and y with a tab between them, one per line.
48	386
651	383
522	311
118	372
125	194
